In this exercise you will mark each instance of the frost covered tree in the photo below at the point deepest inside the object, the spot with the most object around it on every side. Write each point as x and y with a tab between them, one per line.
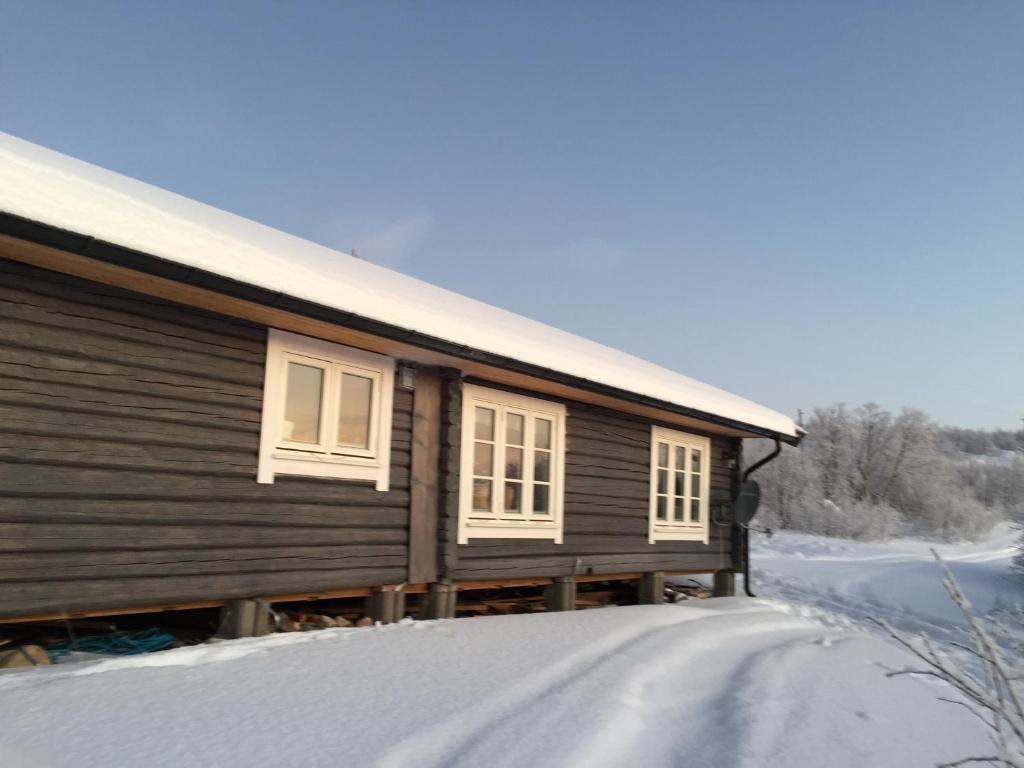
787	484
866	473
832	450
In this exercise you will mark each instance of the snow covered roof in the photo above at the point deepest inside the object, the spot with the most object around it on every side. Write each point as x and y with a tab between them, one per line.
60	191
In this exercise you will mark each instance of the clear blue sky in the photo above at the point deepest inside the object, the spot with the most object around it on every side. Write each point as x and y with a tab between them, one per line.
803	202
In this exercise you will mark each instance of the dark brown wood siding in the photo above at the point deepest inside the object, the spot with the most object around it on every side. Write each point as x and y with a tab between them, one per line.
129	432
607	491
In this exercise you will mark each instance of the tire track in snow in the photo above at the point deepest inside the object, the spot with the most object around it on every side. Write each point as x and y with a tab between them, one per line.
601	700
671	703
436	746
749	708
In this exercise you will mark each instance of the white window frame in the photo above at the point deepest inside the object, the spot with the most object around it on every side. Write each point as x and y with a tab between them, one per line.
497	524
672	530
280	457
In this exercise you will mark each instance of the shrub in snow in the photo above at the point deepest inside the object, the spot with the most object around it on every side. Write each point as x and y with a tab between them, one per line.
992	689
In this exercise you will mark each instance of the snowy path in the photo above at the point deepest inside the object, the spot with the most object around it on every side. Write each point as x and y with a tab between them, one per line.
734	682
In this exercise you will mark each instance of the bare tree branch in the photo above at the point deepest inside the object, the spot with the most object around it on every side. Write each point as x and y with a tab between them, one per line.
995	698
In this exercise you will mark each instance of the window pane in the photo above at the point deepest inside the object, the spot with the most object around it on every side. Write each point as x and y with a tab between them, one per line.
354	414
694	460
662	481
680	483
514	425
679	510
662	454
481	495
695	511
680	458
662	508
542	466
484	424
695	486
303	396
514	497
514	463
483	459
541	499
542	433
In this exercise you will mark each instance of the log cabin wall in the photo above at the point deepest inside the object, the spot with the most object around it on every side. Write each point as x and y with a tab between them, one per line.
607	497
129	432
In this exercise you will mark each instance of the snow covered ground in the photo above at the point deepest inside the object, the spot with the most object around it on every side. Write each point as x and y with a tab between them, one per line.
796	682
729	682
898	581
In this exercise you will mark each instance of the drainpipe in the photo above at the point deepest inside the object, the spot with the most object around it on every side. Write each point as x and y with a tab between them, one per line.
746	530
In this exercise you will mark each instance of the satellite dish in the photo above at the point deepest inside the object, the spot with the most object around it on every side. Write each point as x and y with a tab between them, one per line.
747	502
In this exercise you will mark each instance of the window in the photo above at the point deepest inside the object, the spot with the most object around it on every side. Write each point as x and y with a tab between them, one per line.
512	470
680	465
326	411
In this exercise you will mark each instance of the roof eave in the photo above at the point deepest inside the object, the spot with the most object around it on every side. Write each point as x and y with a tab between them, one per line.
110	253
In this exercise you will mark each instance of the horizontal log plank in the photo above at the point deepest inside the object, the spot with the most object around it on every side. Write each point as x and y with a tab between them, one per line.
172	344
63	400
376	511
638	457
29	392
90	295
143	430
45	537
76	482
60	311
70	342
32	365
171	563
35	449
38	449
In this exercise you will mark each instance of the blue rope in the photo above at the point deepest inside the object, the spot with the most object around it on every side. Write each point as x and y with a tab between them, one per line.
114	644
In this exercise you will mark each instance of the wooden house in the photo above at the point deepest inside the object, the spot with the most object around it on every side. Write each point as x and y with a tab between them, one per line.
197	409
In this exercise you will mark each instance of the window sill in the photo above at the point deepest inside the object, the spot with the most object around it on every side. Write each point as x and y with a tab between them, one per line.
504	529
318	465
282	454
673	533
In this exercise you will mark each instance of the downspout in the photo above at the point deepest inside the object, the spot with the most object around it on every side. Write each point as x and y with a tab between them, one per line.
746	530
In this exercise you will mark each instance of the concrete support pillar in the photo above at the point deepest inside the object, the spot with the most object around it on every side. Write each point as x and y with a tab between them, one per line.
652	588
386	605
244	618
440	601
725	584
561	595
